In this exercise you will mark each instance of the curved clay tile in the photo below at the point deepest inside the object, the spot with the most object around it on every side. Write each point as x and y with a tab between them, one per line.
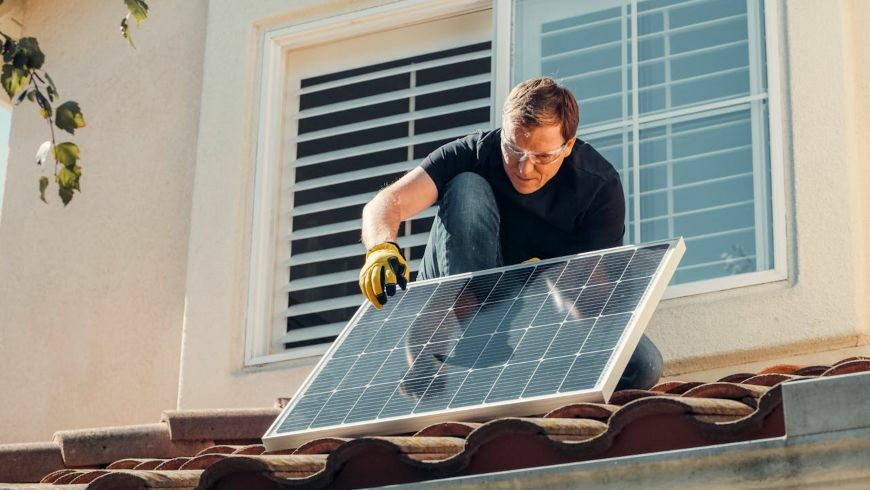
432	447
219	449
854	366
289	466
68	477
55	475
666	386
133	479
88	477
781	369
583	410
169	464
645	424
323	445
736	377
251	449
768	379
684	387
730	391
126	464
811	370
850	359
622	397
447	429
149	464
203	461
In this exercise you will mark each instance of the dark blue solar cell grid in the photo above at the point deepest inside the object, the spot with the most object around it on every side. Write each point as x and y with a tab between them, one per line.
493	337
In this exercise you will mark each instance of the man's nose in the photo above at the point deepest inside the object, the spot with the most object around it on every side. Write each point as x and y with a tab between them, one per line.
523	165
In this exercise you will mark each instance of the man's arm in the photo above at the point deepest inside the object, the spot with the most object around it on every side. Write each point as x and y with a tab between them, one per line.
399	201
385	267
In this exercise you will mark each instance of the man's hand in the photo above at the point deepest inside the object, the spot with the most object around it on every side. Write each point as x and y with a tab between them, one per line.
384	268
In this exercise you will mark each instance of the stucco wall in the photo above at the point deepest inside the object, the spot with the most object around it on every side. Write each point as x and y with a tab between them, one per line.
92	296
821	306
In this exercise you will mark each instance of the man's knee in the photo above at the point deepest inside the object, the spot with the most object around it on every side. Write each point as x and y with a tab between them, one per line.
468	200
644	368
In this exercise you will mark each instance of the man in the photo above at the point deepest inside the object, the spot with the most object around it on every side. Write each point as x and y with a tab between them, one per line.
527	191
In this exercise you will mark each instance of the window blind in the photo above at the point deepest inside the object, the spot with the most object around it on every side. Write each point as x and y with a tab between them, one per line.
359	130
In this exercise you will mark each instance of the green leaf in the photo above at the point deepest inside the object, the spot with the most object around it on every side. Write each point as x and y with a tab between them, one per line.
69	176
9	48
125	31
68	117
138	8
43	185
13	79
28	54
67	153
68	182
65	194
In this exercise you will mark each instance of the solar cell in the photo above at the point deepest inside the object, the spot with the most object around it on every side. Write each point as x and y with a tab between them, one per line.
514	340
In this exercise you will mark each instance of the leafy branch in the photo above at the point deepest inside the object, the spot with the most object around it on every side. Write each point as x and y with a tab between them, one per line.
23	78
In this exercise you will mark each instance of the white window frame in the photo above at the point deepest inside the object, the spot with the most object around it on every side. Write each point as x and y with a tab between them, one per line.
266	286
501	74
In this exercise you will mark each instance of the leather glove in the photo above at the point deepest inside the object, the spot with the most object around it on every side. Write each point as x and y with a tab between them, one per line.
384	268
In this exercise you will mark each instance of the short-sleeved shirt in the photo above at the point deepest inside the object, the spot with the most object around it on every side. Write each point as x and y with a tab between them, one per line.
580	209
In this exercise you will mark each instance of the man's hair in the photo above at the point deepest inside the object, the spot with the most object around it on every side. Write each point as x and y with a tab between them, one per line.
542	101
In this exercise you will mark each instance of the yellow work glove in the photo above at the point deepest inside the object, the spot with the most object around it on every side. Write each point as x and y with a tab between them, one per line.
384	268
533	259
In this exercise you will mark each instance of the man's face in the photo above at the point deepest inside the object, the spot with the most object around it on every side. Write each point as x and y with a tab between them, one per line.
532	156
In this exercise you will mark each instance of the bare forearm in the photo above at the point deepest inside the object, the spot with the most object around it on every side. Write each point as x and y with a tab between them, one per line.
380	220
398	202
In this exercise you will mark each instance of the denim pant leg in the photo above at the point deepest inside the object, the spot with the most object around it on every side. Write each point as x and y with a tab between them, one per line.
644	368
465	232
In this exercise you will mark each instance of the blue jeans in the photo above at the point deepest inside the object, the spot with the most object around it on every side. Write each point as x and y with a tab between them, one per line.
465	238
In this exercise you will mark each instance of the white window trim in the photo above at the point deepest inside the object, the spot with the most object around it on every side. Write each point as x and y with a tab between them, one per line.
501	74
265	286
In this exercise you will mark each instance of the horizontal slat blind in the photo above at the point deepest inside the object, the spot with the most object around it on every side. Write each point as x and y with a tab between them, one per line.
703	168
358	131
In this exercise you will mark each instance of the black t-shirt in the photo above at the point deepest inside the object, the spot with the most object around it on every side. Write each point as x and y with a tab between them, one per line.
581	208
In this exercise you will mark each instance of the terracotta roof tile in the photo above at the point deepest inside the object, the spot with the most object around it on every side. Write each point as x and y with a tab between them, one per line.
29	462
104	445
215	425
672	415
853	366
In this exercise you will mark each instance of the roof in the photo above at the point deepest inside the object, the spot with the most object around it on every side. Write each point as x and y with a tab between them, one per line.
214	449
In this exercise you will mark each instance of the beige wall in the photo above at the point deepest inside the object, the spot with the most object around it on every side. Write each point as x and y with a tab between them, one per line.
213	372
92	296
821	306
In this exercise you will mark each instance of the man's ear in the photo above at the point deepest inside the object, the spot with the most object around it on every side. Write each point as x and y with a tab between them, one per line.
570	145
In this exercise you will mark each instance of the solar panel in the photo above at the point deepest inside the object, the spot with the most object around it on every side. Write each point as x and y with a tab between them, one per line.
517	340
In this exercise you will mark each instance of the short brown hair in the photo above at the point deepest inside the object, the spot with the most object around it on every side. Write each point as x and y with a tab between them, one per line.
542	101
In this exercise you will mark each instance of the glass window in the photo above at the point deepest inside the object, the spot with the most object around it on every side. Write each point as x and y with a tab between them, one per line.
687	80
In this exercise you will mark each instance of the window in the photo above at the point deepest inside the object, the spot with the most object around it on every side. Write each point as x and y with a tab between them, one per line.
687	80
357	114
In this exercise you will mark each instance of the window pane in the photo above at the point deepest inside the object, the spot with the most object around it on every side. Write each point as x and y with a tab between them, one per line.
704	173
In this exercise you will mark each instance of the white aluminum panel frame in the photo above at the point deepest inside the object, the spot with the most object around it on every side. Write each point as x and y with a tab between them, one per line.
539	404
